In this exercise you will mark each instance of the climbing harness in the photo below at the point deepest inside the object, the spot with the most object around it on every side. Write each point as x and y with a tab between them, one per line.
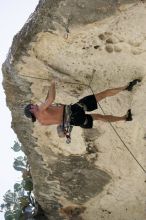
64	129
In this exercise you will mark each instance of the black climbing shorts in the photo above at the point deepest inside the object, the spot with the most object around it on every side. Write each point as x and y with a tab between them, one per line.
78	115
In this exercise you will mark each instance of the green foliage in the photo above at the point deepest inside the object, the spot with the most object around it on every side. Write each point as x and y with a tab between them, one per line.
16	200
20	163
27	184
17	187
2	206
16	147
23	201
14	215
10	197
9	215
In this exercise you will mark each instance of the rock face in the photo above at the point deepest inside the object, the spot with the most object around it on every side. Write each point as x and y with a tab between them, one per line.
80	43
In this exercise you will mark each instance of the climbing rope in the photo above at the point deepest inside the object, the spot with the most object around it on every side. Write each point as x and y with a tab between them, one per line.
120	136
89	86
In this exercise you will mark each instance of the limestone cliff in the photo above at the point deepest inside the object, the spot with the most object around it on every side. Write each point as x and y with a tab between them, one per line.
77	43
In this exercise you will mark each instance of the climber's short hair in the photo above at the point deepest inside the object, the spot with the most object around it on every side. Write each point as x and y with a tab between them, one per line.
28	113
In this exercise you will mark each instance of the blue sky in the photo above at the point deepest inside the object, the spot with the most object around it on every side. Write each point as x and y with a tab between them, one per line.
13	15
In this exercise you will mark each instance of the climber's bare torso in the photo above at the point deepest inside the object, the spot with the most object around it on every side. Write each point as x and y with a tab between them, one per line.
51	115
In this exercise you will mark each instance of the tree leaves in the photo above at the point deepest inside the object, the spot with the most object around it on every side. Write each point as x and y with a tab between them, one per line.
16	147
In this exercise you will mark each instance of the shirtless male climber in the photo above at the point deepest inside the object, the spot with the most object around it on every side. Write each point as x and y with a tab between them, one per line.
49	114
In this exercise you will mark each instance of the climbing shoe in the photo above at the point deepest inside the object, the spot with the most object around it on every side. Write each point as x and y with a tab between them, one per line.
129	115
132	83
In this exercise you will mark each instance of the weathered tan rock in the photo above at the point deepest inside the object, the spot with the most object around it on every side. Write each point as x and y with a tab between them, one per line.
109	48
95	175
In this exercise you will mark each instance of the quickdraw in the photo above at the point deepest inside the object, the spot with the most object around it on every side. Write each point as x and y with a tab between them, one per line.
66	123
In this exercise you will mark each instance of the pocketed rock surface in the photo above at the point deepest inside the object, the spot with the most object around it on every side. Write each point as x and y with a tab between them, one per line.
101	43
